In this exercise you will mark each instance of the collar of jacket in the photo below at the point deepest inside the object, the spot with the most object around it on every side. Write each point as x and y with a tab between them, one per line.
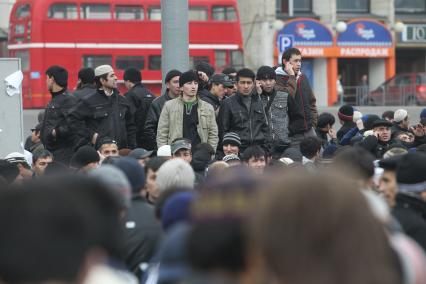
54	94
281	71
213	97
136	85
240	96
114	92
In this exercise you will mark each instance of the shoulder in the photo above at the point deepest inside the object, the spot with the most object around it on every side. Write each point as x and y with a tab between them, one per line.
205	105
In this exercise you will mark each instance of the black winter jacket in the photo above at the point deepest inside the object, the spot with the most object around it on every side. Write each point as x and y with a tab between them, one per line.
411	214
213	100
140	99
348	125
84	91
151	123
250	125
109	116
56	118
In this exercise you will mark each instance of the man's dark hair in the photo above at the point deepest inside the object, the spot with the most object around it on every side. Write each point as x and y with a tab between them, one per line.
204	147
229	70
247	73
59	74
355	161
324	119
86	75
8	171
133	75
98	80
310	146
253	152
288	53
388	114
154	164
41	154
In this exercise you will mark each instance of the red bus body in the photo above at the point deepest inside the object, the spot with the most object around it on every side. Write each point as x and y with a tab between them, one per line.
41	38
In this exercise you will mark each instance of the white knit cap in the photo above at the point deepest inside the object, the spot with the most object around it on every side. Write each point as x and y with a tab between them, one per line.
103	69
400	115
175	173
164	151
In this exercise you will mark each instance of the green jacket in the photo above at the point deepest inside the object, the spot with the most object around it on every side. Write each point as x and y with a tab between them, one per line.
170	125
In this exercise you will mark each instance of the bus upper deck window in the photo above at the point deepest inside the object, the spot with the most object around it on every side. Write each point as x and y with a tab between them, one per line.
22	11
154	13
197	14
224	13
62	11
95	11
154	62
93	61
129	13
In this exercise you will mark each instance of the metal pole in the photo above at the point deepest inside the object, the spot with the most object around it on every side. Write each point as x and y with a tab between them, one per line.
174	36
290	8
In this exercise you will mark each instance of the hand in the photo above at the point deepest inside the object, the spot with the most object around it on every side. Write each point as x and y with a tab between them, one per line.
258	87
101	157
288	68
418	130
94	138
54	133
203	76
360	124
332	133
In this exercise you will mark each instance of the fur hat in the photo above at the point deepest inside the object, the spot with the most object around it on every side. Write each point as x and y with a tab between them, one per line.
186	77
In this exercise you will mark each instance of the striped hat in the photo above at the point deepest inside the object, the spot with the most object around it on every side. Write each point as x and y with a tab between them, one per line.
346	113
231	138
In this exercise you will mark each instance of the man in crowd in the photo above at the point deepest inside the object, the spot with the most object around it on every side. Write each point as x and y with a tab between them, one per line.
302	92
85	159
345	114
181	148
40	161
86	83
151	189
140	99
217	89
324	129
231	143
232	73
310	148
282	112
388	186
35	139
243	113
108	147
187	116
173	90
204	72
142	155
400	122
255	158
380	141
104	114
56	133
19	160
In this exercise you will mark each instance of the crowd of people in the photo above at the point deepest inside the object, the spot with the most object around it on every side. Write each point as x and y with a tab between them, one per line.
231	177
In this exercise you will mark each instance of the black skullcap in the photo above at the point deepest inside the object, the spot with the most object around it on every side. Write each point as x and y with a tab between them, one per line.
171	74
59	74
265	73
133	75
86	75
205	67
186	77
84	156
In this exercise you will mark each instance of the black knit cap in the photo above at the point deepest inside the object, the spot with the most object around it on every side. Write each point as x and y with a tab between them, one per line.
391	163
411	172
133	75
265	73
231	138
186	77
59	74
346	113
204	67
86	75
171	74
84	156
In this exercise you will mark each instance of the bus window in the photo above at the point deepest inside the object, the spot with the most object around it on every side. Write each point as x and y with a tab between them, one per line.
62	11
129	13
124	62
154	13
194	60
94	61
95	11
19	29
24	55
23	11
224	13
237	59
154	62
197	14
220	59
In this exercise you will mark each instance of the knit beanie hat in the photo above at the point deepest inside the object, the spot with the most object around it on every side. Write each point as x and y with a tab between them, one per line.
400	115
103	69
205	67
411	173
186	77
84	156
231	157
346	113
59	74
134	172
231	138
368	121
177	209
86	75
265	73
133	75
171	74
423	113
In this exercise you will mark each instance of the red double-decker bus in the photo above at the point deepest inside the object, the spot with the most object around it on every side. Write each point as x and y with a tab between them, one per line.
122	33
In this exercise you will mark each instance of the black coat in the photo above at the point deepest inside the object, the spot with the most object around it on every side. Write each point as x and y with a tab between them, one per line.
84	91
109	116
411	214
140	99
151	123
213	100
347	125
55	117
250	125
142	234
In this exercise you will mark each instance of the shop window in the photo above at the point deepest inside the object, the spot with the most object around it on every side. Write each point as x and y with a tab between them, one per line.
62	11
220	59
125	62
154	13
94	61
23	11
197	14
95	11
224	13
25	59
129	13
410	6
237	59
351	6
194	60
299	6
154	62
